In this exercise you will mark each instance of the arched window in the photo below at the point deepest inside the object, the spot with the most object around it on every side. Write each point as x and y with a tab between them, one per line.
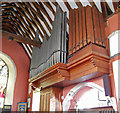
4	74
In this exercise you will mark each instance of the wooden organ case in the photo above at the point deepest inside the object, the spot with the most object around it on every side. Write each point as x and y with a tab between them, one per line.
52	69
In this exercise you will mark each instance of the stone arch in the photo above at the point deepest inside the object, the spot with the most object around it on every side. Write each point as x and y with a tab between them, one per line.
11	79
74	90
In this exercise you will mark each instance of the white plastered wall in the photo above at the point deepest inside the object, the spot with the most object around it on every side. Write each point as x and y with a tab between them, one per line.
36	101
114	41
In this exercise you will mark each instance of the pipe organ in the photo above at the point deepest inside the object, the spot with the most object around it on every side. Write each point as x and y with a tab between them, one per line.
53	50
86	25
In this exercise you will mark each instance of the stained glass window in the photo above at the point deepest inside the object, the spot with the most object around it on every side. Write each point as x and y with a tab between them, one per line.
4	72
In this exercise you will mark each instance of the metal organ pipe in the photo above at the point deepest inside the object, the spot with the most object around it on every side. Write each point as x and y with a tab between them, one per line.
53	50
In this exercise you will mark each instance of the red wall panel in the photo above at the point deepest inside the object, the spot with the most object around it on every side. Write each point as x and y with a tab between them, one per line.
112	24
16	52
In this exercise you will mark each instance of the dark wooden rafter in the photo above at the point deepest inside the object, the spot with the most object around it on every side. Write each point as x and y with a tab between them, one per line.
21	20
17	21
67	5
115	4
49	6
21	39
37	10
17	29
40	16
33	22
60	8
27	29
54	2
24	15
16	18
9	25
17	26
92	4
106	10
35	18
18	32
78	3
10	29
43	10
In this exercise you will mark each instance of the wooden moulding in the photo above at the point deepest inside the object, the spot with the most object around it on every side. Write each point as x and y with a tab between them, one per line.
51	76
88	63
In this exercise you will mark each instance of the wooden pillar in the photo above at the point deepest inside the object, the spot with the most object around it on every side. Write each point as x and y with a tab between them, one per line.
50	99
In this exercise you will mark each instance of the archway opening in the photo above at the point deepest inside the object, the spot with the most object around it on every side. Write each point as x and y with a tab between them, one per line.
7	90
93	98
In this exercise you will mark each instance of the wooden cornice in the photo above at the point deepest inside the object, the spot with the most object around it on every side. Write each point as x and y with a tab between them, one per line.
90	62
19	38
49	71
53	75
